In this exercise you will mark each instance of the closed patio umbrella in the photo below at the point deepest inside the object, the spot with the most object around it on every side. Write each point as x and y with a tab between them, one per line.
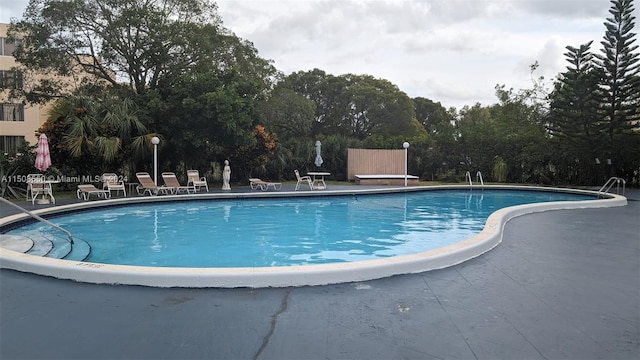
318	161
43	158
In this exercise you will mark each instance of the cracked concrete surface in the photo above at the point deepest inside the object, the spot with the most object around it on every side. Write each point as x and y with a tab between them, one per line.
274	320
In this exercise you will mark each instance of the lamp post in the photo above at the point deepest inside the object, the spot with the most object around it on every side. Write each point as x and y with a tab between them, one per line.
405	145
155	141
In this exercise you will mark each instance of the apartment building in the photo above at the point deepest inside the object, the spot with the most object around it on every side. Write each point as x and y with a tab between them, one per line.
18	122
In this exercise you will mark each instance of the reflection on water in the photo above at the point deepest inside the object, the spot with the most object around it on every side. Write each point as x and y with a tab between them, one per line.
475	199
156	246
280	232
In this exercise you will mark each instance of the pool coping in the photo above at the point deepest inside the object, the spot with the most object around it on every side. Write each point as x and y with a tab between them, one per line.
303	275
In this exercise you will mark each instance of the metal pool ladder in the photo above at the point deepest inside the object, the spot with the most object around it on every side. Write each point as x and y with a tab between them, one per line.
39	219
609	184
467	177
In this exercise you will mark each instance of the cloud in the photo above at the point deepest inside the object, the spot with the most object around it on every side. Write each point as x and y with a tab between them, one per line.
456	49
565	8
11	9
450	51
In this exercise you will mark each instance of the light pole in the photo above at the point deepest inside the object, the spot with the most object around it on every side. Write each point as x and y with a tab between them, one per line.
405	145
155	141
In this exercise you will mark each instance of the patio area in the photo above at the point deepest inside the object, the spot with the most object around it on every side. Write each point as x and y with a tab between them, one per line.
563	284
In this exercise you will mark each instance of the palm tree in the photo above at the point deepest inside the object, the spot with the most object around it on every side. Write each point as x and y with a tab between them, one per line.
105	133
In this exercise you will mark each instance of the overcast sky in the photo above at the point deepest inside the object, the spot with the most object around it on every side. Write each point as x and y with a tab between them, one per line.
450	51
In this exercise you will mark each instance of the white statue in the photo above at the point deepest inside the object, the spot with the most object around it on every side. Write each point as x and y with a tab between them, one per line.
226	176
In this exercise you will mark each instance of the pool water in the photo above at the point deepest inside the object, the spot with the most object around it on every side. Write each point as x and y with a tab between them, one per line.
286	231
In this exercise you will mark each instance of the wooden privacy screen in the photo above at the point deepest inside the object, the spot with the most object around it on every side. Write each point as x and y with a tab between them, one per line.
374	162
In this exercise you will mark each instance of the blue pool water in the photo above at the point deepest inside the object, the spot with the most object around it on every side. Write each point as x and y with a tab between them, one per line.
286	231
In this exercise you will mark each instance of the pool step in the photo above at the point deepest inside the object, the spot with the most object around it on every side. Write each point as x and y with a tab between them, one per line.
61	247
16	242
37	244
80	250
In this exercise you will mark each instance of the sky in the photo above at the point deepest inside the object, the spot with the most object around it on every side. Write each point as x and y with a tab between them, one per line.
450	51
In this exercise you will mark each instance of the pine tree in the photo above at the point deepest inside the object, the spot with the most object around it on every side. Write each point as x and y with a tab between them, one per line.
620	88
574	121
574	101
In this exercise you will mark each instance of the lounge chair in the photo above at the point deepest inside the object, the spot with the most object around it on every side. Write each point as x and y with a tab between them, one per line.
37	185
301	179
170	180
110	181
256	183
146	185
194	179
85	192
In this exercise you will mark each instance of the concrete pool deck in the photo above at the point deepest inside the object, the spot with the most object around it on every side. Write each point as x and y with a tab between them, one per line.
563	284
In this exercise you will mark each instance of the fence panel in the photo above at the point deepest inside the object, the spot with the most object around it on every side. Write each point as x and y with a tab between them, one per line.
374	162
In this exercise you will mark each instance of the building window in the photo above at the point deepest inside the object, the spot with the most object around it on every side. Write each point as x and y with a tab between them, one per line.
10	79
7	47
11	112
10	144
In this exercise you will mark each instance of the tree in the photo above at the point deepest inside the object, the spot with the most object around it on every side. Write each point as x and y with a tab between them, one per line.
205	117
325	91
196	85
375	107
438	123
433	116
136	43
253	159
475	140
89	137
114	40
354	105
620	88
288	114
521	140
575	124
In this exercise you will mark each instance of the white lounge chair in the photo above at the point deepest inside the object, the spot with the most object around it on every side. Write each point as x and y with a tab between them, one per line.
146	185
256	183
110	181
85	192
194	179
170	180
302	179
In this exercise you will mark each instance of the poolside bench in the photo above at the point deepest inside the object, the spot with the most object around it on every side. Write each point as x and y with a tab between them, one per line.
386	179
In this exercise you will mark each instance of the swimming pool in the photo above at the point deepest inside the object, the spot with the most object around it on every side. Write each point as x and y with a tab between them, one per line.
313	240
286	232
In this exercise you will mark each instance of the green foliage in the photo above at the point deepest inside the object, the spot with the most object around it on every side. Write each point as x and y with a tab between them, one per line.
139	41
594	109
575	121
254	158
619	62
356	106
14	169
88	137
449	176
206	117
433	116
288	114
500	170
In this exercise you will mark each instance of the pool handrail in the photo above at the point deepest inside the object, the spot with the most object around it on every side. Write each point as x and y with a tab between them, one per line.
39	219
479	178
609	184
